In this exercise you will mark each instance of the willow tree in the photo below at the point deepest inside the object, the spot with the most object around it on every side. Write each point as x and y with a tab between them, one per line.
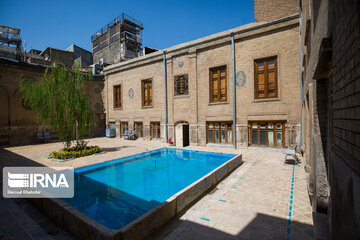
59	99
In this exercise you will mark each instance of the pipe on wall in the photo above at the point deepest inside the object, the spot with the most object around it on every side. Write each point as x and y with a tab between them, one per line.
166	104
301	84
234	89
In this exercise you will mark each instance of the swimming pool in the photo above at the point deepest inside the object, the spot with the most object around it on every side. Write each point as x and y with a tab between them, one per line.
117	192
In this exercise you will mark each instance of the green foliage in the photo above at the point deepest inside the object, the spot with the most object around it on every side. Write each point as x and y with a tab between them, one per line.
73	152
60	101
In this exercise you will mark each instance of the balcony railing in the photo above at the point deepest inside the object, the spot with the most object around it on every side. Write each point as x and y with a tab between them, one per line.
120	18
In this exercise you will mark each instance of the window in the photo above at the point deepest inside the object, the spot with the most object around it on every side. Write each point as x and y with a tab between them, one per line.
155	129
138	129
218	89
117	96
146	90
181	85
111	125
271	134
123	127
266	78
219	132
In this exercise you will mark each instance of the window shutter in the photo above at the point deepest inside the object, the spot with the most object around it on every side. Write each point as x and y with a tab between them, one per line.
271	84
223	84
260	79
266	78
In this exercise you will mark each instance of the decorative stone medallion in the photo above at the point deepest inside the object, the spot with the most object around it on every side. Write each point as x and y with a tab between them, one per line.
131	93
181	63
240	79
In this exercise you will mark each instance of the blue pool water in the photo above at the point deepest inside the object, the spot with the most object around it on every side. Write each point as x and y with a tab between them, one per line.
117	192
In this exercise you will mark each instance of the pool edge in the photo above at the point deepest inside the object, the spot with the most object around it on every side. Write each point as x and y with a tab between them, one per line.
85	227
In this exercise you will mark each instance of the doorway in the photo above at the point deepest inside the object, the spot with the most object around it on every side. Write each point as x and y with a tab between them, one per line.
182	134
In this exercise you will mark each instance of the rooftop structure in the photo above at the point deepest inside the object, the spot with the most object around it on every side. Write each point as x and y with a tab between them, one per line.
10	43
82	57
119	40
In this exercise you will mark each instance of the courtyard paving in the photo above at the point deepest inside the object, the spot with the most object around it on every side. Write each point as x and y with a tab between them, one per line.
262	199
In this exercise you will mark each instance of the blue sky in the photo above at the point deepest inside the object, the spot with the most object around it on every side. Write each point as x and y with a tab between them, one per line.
60	23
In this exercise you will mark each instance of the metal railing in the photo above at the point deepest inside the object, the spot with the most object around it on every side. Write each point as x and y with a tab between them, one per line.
120	18
131	36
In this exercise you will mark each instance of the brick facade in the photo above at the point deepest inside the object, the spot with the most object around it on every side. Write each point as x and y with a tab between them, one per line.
18	125
196	58
269	10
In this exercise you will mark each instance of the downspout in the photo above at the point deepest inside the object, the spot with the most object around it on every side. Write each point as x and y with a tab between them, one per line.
166	104
301	85
234	89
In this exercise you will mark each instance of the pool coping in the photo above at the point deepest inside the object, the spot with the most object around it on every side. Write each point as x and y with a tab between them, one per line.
85	227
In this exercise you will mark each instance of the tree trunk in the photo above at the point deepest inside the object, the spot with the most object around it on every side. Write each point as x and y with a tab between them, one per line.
77	134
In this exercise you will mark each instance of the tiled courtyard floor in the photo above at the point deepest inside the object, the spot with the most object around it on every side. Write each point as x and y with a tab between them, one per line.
254	202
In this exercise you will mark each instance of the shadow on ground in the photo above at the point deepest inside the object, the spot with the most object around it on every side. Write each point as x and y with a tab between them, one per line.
261	227
12	224
114	149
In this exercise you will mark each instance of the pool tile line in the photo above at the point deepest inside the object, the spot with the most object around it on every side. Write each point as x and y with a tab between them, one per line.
288	229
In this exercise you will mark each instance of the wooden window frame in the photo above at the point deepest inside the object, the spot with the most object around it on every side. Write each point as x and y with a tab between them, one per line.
211	95
122	127
149	101
118	94
265	60
185	85
226	132
283	122
157	124
142	128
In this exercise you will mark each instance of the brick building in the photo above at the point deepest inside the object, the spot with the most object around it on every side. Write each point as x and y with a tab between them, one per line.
18	124
330	58
186	93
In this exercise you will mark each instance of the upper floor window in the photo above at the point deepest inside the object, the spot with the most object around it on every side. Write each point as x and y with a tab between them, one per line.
181	85
117	96
146	90
218	88
266	78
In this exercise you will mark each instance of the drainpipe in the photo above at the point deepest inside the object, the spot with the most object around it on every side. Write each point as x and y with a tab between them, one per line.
301	85
234	89
166	104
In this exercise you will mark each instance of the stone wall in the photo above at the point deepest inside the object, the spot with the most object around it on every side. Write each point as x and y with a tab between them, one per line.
111	54
314	32
330	55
